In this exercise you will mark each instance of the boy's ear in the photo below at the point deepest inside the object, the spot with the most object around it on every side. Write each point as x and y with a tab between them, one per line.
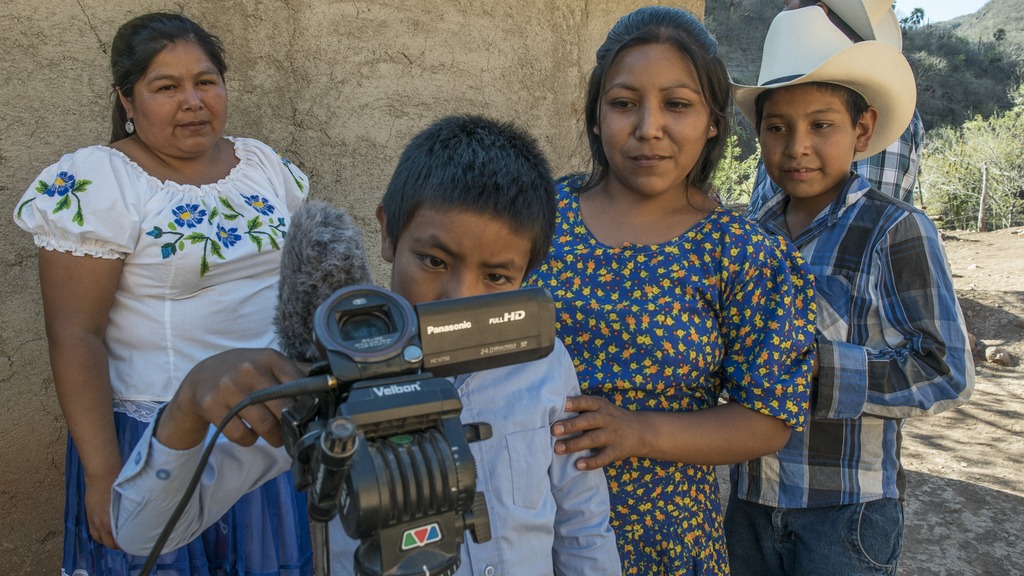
865	128
387	249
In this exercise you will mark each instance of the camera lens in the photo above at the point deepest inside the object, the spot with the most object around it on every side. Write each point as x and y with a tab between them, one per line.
364	327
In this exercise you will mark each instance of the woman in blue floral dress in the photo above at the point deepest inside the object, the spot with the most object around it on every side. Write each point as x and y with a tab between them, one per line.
669	301
156	252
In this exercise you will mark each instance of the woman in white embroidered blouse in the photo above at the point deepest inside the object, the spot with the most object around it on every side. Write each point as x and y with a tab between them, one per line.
155	252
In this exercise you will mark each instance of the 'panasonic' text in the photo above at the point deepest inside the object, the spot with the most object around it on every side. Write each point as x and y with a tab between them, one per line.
464	325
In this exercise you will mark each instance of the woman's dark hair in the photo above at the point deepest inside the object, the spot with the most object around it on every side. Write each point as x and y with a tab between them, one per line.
681	30
136	44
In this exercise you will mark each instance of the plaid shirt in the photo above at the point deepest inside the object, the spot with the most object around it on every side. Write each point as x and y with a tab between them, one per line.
892	171
891	344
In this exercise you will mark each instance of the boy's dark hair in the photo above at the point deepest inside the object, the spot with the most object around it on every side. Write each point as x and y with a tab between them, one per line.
136	44
480	165
681	30
855	104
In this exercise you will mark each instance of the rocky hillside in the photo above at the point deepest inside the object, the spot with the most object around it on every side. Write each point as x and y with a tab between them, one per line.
985	25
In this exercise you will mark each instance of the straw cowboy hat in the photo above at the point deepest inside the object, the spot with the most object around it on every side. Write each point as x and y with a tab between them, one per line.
803	46
872	19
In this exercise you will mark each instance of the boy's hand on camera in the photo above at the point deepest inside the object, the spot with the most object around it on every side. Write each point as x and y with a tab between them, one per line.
215	386
609	432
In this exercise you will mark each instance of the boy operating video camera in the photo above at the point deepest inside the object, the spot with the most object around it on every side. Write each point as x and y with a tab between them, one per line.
469	211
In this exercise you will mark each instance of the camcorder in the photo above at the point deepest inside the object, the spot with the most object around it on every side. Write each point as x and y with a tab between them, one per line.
385	448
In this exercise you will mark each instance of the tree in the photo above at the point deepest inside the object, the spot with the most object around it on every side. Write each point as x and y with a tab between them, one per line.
733	179
999	35
1017	96
914	21
956	161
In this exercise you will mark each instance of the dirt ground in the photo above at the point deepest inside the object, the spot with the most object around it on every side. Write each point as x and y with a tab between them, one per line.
965	510
965	503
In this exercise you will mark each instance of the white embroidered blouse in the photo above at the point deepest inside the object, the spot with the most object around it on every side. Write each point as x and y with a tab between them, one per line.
200	262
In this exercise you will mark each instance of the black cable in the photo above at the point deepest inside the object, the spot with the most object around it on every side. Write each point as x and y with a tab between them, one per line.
300	387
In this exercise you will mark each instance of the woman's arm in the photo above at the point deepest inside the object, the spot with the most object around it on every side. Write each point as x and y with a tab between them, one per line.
723	434
78	292
161	466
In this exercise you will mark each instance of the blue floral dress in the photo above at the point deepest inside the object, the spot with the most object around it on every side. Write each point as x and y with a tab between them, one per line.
724	307
199	276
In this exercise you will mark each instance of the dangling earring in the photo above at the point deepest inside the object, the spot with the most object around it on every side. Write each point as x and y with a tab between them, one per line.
129	126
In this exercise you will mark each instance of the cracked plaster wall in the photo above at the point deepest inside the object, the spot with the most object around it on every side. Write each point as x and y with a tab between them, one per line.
338	86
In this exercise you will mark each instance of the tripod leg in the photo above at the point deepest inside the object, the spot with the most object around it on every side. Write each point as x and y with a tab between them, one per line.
321	549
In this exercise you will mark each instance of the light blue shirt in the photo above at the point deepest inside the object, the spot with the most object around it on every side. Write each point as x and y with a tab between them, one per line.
546	516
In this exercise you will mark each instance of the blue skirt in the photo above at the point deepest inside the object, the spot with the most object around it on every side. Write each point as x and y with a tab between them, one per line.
265	534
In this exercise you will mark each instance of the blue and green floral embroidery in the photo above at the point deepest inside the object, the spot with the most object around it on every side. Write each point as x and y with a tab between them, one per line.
260	204
280	227
288	164
64	186
192	215
188	215
228	236
253	225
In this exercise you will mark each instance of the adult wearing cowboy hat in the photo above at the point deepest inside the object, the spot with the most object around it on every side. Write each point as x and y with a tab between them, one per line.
890	337
893	171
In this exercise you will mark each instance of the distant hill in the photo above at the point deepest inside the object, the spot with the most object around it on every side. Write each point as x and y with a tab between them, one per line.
983	25
961	70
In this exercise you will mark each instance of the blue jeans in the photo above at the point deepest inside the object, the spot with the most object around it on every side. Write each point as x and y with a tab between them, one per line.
845	540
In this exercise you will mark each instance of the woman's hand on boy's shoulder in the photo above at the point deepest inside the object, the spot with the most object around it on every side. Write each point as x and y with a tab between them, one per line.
611	433
215	386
